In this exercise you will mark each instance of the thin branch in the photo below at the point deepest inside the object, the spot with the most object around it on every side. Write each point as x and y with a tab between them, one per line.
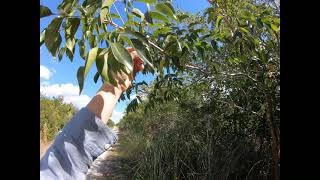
118	13
63	15
196	68
113	24
239	107
157	47
242	74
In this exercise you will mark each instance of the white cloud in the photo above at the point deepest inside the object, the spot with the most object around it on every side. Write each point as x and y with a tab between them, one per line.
45	83
69	92
132	97
116	116
45	73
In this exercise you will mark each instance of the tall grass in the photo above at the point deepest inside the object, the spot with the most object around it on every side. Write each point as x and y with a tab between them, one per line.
172	142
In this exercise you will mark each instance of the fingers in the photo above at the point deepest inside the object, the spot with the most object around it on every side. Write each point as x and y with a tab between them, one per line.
138	63
125	80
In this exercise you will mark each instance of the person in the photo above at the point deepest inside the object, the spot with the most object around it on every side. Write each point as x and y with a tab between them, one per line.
86	136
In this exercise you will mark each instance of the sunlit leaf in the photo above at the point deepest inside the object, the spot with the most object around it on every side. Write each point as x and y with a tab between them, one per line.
164	9
218	21
142	51
121	54
44	11
42	36
158	16
80	78
92	55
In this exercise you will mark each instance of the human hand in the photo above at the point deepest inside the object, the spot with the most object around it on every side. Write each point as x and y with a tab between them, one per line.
125	81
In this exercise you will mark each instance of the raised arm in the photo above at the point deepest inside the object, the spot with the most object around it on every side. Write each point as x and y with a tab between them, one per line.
86	135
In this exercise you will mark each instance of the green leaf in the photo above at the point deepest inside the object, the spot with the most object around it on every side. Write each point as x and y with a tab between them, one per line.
102	65
147	1
192	24
92	55
209	11
274	27
218	21
170	40
66	7
243	30
158	16
210	18
69	54
73	24
42	36
148	17
138	13
44	11
82	49
114	66
96	77
276	20
132	106
108	2
121	54
90	2
105	9
142	51
128	92
164	9
53	38
163	30
61	52
138	35
115	16
70	44
182	16
80	78
170	6
92	41
126	39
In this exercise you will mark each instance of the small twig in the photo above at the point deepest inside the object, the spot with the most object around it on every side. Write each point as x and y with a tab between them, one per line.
242	74
63	15
118	13
252	168
113	24
196	68
154	45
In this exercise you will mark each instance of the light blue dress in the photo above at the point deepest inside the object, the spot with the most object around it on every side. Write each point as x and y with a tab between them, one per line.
78	144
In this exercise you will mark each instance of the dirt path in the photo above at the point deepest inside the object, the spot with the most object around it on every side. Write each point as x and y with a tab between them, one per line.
44	147
107	165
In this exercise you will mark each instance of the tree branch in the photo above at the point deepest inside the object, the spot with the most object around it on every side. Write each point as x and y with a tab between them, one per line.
118	13
196	68
242	74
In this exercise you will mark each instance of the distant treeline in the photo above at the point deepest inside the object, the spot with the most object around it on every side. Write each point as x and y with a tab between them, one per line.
54	114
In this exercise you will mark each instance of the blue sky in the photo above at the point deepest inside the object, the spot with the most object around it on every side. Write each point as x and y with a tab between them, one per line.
59	78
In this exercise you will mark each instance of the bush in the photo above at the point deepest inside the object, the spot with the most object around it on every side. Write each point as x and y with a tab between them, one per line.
54	114
110	123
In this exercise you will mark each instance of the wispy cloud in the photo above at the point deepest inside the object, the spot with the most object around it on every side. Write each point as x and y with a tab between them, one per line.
133	96
69	92
45	73
116	116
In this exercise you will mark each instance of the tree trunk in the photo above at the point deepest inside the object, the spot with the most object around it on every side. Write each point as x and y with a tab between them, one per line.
275	145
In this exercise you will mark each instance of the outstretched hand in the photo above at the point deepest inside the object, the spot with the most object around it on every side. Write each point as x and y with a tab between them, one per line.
106	98
124	80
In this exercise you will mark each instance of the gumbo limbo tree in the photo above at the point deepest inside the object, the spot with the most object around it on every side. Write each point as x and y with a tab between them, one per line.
233	47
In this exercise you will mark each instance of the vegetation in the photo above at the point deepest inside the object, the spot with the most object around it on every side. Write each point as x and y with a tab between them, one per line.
213	110
110	123
54	114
